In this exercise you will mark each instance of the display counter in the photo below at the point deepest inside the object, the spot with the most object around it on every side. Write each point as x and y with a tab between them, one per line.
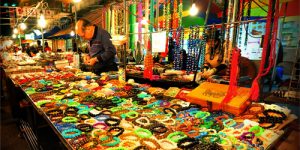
91	112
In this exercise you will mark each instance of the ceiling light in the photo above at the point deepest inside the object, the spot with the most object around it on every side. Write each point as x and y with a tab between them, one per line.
23	26
72	33
193	10
15	31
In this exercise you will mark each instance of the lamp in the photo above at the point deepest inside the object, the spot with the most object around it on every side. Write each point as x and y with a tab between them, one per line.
72	33
16	31
42	21
193	10
23	26
76	1
14	36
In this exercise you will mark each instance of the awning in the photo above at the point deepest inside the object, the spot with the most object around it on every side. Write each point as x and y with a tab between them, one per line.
63	34
49	33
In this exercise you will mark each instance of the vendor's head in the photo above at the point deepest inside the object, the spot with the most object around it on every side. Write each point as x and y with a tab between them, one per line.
85	29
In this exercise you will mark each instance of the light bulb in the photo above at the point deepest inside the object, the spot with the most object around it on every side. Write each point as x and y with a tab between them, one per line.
76	1
72	33
14	36
15	31
42	21
193	10
144	21
23	26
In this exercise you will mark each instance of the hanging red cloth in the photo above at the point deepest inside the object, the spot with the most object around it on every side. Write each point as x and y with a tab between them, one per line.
255	89
234	74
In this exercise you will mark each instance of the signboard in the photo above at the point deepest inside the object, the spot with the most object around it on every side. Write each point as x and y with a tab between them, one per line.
159	41
32	12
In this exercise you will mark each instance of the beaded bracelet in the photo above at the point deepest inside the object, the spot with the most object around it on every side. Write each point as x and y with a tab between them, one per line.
213	138
247	136
141	148
154	143
231	121
84	127
90	121
187	143
112	121
167	144
116	141
84	116
142	121
71	133
129	136
69	119
202	114
119	131
117	148
176	136
257	130
159	128
143	133
132	114
100	125
96	133
129	144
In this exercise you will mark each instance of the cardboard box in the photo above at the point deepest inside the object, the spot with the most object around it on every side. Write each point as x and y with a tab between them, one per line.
212	94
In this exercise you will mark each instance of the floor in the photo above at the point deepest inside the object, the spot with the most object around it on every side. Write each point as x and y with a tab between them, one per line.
11	139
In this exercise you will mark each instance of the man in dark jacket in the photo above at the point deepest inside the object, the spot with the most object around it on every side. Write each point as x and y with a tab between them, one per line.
101	50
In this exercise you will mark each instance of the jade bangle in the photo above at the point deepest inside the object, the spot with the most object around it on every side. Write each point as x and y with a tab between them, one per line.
139	131
69	119
116	141
132	114
71	133
41	102
231	121
72	103
257	130
202	114
117	148
114	109
176	136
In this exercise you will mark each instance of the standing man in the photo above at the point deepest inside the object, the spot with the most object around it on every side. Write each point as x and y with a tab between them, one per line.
101	50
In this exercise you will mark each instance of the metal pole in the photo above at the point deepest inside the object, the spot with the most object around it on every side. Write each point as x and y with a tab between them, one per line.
75	28
43	43
207	12
20	40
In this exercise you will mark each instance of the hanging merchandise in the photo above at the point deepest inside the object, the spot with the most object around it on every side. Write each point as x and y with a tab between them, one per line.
234	75
113	27
202	49
174	19
146	26
180	9
132	21
148	65
151	27
179	39
140	18
193	49
167	27
272	25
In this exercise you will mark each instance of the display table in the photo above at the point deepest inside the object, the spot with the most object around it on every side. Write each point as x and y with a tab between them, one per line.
88	112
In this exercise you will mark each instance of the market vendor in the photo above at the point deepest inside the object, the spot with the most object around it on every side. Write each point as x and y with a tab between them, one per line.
101	50
213	60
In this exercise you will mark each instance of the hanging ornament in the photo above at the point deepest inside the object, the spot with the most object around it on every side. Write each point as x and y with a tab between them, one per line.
178	60
132	20
140	18
180	9
175	19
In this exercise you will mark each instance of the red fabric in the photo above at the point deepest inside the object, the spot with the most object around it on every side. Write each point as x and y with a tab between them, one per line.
234	72
255	89
47	49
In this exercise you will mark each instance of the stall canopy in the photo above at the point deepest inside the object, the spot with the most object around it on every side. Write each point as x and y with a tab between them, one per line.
49	33
64	33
